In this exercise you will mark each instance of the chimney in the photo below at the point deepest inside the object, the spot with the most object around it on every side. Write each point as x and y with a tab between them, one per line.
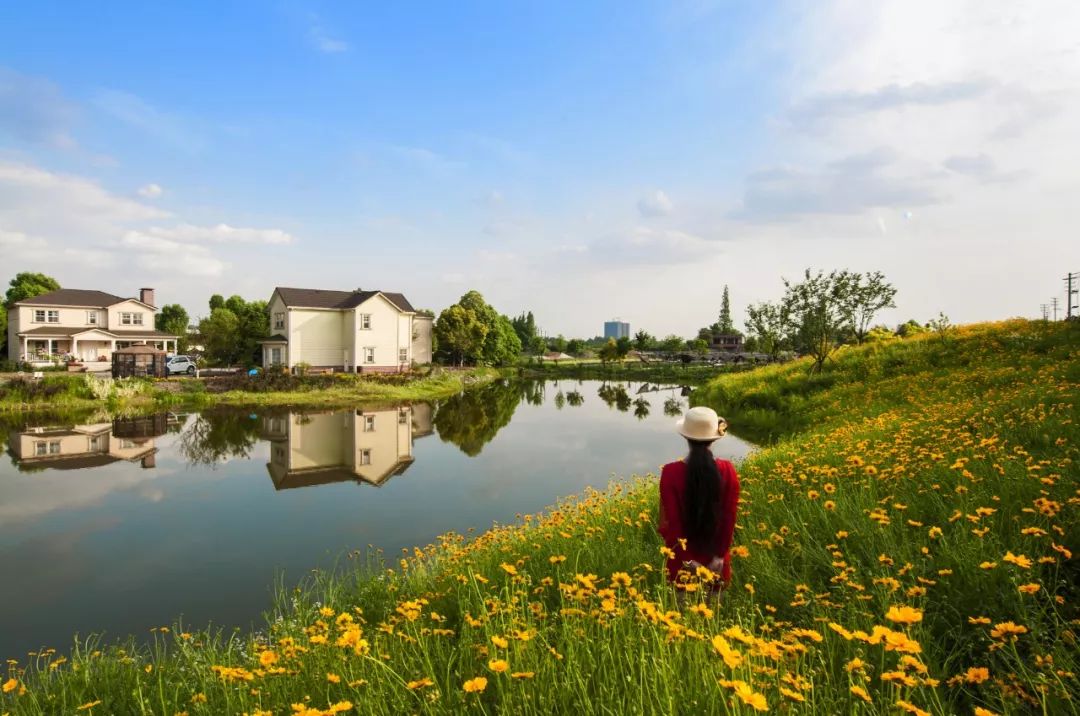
146	295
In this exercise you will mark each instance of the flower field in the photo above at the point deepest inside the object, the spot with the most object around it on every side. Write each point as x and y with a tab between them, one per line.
905	546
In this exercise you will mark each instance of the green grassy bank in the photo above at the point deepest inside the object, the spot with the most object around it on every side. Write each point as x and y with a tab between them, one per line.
63	392
693	374
906	545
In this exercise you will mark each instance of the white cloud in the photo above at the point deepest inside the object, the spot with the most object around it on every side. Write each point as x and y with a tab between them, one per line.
222	234
151	191
164	127
656	203
322	41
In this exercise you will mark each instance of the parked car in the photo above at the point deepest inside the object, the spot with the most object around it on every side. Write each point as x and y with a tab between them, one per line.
180	364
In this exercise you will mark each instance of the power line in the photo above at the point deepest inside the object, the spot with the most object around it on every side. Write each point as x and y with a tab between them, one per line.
1054	305
1071	279
1045	308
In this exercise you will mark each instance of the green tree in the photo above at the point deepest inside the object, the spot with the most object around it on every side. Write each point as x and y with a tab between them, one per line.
643	341
609	351
699	347
724	325
575	346
672	344
501	344
525	327
623	346
471	419
910	328
27	285
221	336
460	335
557	344
173	319
216	301
253	325
816	312
766	323
864	296
537	345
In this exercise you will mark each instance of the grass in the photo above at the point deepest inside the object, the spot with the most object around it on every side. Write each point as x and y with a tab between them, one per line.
904	547
693	374
77	392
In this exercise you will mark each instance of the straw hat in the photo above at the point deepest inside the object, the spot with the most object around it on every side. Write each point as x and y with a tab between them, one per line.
701	424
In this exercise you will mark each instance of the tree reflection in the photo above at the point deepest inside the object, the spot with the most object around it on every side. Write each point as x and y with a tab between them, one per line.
673	407
216	436
641	408
471	419
574	399
615	396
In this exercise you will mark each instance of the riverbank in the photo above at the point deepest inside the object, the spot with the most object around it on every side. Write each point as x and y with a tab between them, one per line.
61	392
927	475
671	373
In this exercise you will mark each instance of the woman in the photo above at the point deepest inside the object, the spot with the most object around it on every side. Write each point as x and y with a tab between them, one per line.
698	499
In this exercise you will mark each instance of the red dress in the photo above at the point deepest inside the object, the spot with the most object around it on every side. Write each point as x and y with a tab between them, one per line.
672	493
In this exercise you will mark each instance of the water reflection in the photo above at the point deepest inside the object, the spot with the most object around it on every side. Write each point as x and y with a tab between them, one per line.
369	446
471	420
78	446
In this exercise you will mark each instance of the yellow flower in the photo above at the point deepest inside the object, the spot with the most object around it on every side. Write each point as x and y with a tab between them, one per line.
1029	588
793	695
903	615
474	686
911	708
509	569
268	658
750	697
621	579
10	685
333	678
976	674
1018	559
731	656
498	665
1007	630
855	664
557	558
980	711
90	705
500	642
667	552
326	612
523	674
978	620
420	683
987	565
861	693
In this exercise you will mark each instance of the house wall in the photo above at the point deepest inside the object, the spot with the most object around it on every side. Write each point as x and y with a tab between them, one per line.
421	339
317	440
13	347
71	443
69	317
385	334
128	307
388	441
315	337
278	306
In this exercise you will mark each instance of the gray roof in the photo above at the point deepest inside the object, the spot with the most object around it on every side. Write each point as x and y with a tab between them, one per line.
321	298
73	297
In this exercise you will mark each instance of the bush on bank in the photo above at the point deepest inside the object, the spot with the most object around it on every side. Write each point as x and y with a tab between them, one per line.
911	551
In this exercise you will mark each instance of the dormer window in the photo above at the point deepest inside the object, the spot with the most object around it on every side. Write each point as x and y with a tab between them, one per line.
365	321
131	319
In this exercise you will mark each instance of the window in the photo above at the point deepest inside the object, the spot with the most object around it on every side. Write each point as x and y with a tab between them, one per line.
95	444
403	418
275	356
279	321
127	444
403	355
131	319
369	355
91	318
369	423
54	316
39	316
365	321
41	448
54	447
365	456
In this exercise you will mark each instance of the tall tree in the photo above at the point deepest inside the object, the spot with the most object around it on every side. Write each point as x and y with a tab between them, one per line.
815	312
724	324
217	301
766	323
866	294
575	346
221	336
460	335
643	341
173	319
525	327
27	285
672	344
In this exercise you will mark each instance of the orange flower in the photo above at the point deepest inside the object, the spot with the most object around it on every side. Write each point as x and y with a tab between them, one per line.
475	686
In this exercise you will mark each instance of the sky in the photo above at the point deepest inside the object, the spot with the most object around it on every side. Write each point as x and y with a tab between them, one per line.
585	161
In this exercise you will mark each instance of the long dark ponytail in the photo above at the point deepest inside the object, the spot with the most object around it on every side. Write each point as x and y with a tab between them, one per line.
702	493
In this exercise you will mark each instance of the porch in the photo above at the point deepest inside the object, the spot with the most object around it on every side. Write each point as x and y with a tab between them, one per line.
97	347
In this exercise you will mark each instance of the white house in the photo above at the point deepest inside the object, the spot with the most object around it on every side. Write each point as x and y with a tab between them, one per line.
353	331
88	325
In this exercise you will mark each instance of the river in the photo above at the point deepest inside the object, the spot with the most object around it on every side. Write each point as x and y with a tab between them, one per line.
116	525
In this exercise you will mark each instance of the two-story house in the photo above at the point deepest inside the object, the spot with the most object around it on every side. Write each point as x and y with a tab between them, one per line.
87	325
353	331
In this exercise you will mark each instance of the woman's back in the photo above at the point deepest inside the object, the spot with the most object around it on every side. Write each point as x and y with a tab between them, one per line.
678	510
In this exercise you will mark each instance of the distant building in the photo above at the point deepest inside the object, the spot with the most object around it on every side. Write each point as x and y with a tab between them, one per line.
730	342
616	329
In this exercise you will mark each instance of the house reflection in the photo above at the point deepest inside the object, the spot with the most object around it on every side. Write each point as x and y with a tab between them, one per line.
368	445
88	445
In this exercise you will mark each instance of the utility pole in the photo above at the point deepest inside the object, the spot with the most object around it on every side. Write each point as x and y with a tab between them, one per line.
1053	304
1045	308
1072	279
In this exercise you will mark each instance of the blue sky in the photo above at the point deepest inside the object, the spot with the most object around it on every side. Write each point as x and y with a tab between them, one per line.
581	160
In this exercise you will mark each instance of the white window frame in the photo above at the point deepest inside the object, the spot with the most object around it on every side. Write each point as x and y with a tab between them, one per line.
365	321
365	456
54	447
53	316
276	360
41	448
94	443
91	318
39	315
131	319
403	355
279	321
369	423
369	355
403	418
